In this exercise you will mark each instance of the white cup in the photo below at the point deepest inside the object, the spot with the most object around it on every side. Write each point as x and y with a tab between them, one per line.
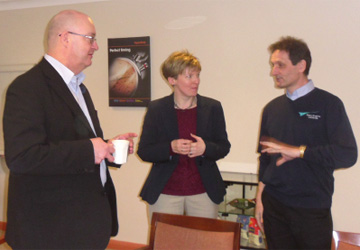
121	151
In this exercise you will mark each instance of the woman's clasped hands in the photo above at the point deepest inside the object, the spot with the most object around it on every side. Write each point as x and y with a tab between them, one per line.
189	147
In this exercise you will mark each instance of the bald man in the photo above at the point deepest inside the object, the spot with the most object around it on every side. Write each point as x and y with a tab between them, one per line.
61	195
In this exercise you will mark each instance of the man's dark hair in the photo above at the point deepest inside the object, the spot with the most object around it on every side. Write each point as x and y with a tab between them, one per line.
297	49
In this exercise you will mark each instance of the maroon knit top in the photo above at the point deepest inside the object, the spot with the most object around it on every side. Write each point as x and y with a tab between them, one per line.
185	179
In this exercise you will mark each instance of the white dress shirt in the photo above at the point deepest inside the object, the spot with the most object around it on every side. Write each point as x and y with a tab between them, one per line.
73	82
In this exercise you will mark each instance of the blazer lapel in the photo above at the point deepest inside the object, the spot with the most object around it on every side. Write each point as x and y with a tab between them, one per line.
92	110
58	85
170	117
202	115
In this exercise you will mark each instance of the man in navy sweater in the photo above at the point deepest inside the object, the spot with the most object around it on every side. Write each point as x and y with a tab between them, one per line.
305	135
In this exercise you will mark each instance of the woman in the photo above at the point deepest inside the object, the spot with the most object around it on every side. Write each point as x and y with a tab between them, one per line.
183	136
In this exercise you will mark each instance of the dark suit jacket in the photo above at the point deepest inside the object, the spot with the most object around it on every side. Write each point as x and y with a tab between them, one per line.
161	127
56	198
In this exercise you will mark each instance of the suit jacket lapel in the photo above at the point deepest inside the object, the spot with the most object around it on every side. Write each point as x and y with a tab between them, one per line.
92	111
202	115
170	117
57	83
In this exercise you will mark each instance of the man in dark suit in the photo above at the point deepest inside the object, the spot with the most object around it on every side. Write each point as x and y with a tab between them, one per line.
61	195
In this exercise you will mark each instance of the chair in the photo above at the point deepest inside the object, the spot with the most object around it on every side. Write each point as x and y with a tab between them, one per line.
179	232
2	232
345	241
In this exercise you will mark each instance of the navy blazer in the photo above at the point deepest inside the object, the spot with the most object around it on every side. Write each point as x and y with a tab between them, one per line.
161	127
56	198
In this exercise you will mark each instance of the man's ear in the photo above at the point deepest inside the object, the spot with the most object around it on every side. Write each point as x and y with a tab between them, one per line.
64	38
302	66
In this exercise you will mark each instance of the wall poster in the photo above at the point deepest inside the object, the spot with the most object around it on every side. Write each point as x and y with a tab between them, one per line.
129	71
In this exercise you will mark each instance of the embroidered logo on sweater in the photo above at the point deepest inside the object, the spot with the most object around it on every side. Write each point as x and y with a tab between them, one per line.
311	115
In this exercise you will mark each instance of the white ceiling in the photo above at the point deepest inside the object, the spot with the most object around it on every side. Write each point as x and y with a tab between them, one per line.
25	4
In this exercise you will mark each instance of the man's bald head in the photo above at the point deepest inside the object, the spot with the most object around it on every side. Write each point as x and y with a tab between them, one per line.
63	21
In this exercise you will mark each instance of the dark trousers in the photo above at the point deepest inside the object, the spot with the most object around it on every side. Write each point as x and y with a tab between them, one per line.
296	228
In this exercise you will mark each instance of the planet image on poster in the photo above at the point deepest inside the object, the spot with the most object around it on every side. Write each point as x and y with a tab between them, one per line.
123	77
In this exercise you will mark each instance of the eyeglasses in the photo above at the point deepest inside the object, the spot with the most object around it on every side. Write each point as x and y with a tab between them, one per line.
91	38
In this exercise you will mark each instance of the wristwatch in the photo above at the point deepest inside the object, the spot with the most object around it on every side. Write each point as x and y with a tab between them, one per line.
302	149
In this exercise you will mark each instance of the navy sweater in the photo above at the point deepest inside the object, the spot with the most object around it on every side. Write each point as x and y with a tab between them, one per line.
319	121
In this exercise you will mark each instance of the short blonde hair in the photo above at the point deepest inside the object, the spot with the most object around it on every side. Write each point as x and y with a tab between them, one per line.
177	62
